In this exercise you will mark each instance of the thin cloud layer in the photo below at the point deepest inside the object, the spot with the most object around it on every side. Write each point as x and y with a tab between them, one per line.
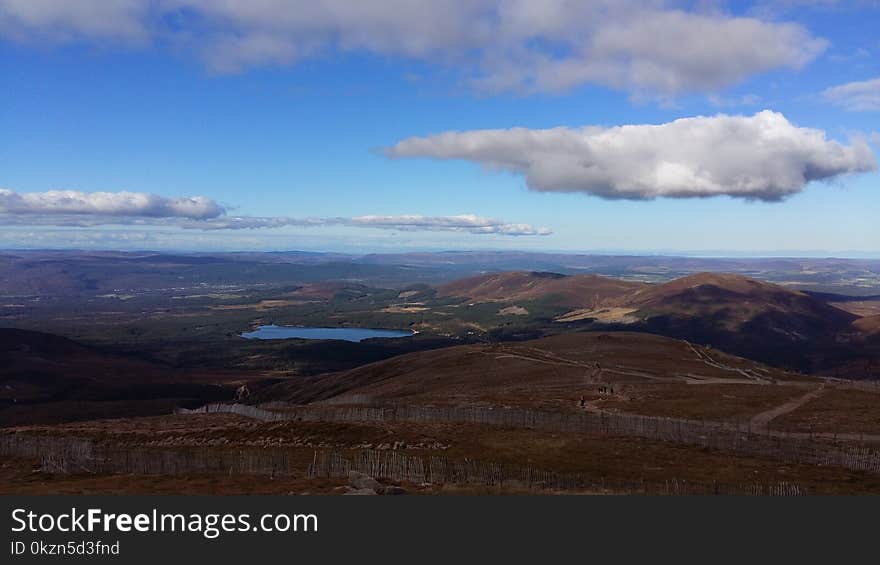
65	208
108	204
466	223
57	21
858	96
641	46
762	157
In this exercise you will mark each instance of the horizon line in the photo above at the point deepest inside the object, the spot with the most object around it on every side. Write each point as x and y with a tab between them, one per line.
701	254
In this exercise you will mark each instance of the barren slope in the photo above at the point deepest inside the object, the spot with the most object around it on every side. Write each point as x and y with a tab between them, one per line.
869	325
577	291
553	372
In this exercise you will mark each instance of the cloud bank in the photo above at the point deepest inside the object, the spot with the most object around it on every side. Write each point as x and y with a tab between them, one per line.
762	157
465	222
642	46
108	204
88	209
858	96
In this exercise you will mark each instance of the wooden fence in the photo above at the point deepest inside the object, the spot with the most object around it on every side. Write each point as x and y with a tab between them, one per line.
78	455
56	454
728	437
443	471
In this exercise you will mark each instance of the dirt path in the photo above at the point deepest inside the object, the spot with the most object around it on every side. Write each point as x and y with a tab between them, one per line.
568	363
549	358
707	359
759	421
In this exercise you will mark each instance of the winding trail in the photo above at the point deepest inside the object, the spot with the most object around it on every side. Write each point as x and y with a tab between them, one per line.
758	424
707	359
760	421
549	358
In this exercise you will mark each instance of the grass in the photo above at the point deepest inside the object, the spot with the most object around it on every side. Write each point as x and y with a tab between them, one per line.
836	411
730	402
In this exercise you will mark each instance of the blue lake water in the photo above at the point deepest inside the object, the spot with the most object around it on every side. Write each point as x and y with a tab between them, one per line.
347	334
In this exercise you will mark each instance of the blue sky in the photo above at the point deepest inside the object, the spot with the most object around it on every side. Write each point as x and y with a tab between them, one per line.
160	107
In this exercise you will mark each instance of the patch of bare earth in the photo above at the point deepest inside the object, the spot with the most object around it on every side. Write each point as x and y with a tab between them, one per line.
713	402
613	315
260	306
513	311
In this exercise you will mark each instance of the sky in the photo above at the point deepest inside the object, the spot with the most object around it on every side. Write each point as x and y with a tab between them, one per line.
640	126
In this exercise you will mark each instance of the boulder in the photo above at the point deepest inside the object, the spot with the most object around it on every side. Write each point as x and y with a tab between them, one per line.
362	481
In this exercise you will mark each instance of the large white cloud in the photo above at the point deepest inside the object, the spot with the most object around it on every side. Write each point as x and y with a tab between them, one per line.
643	46
759	157
87	209
860	95
659	51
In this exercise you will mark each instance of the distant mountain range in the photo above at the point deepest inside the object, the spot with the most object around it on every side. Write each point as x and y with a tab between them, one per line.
73	273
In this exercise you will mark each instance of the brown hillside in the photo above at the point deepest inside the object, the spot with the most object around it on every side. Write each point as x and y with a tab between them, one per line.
326	290
732	301
736	284
869	325
737	314
551	372
577	291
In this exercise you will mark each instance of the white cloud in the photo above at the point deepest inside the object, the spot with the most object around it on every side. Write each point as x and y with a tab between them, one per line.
107	204
67	20
464	223
666	52
758	157
861	95
778	8
641	46
67	208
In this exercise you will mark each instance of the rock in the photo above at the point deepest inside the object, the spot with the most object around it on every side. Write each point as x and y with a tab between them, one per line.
361	481
360	491
393	490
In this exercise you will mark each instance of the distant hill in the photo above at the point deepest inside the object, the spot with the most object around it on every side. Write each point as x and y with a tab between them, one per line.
576	291
326	290
734	302
738	314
